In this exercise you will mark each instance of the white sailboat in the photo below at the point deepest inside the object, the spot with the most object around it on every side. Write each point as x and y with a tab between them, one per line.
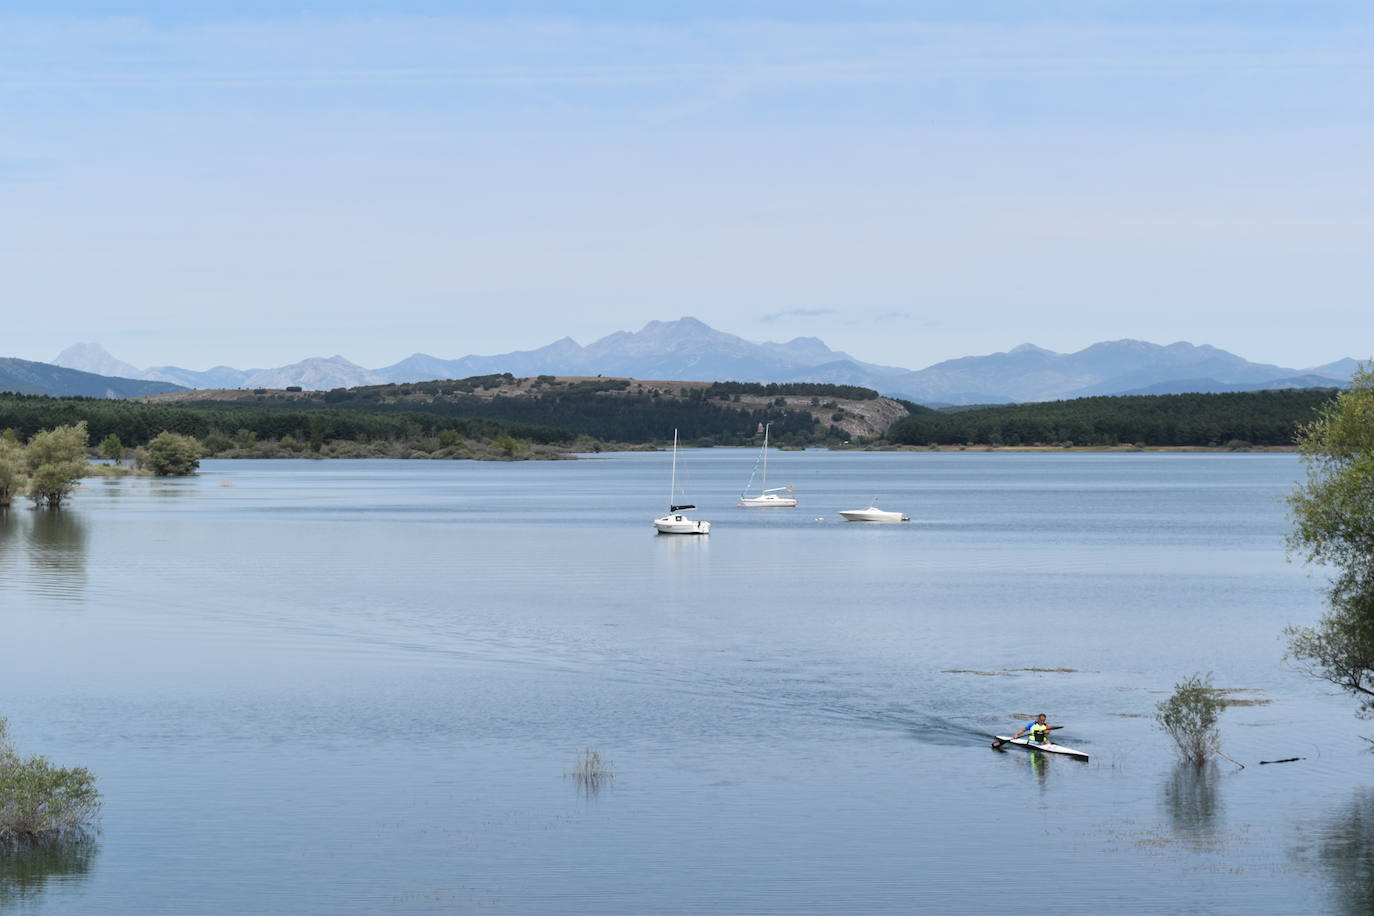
767	498
675	522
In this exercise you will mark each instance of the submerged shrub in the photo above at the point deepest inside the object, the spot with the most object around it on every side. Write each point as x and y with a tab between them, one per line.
39	801
1190	718
172	455
12	479
56	460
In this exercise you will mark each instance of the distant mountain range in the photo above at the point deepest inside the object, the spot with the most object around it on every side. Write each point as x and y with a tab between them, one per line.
689	350
1029	373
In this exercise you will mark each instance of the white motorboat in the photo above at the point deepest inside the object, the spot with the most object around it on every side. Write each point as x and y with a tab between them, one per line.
873	514
767	499
675	522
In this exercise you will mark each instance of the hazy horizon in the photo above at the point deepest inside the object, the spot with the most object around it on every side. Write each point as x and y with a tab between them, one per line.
450	356
909	182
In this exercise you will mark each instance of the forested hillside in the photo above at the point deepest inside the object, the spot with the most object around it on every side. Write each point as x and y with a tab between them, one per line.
23	376
1255	417
478	417
613	410
572	413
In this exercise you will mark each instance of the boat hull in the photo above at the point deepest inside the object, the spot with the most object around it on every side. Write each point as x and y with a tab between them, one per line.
1046	748
873	515
681	524
768	501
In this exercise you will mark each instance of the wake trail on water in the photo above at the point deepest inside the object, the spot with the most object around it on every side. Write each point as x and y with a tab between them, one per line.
859	707
786	688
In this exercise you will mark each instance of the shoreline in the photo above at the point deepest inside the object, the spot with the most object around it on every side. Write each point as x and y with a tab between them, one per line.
1076	448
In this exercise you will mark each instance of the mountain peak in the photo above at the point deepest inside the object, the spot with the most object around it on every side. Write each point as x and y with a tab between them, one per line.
316	374
1031	348
88	349
92	357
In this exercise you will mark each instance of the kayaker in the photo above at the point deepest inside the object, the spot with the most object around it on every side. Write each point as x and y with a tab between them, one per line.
1038	730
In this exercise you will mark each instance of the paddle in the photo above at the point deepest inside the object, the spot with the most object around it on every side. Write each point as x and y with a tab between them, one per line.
998	742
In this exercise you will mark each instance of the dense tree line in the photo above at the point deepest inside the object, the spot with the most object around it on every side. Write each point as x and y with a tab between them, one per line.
791	389
1256	417
557	416
440	387
137	423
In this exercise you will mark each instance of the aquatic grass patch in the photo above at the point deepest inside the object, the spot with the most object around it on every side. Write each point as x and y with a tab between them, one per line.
592	772
1008	672
1227	698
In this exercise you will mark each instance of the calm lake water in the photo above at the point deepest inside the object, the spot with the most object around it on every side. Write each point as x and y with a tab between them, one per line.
358	687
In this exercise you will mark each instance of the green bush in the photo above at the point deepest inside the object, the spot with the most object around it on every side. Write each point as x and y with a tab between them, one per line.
172	455
1333	515
216	442
1190	718
50	484
40	801
56	459
111	448
12	478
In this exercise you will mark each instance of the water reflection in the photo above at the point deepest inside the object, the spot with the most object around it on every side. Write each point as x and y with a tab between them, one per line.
685	557
171	489
9	540
1345	852
57	553
1037	765
1040	767
27	868
1192	801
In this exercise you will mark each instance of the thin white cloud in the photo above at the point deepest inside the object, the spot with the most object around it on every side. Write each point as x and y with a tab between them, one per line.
795	313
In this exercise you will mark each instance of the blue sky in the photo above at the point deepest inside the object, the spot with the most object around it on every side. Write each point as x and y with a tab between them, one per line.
253	183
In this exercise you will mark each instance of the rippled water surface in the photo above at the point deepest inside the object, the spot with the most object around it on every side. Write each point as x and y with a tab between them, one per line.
359	687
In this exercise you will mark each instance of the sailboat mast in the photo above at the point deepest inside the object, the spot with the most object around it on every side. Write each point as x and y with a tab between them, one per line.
672	489
765	457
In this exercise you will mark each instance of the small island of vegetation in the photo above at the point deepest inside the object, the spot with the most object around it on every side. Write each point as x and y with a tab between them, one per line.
40	801
48	466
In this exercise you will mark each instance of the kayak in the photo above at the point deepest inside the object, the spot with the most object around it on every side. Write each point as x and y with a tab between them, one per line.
1046	748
